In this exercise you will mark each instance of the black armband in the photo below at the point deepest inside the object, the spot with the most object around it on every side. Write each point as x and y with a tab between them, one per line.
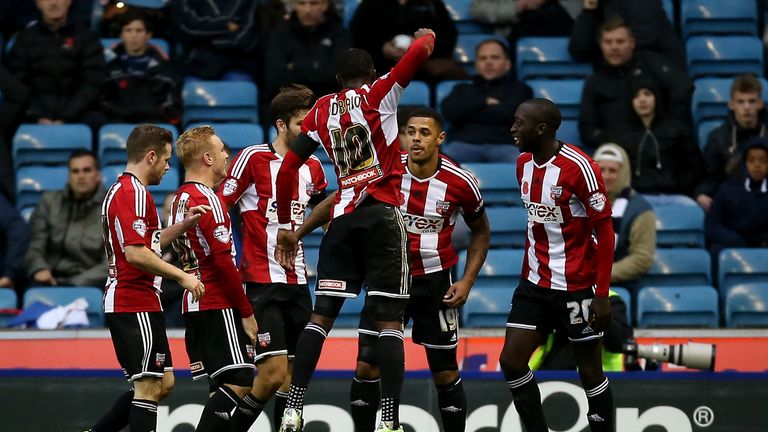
303	146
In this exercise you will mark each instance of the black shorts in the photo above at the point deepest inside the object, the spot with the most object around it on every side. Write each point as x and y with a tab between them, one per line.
141	344
545	310
368	245
435	325
282	311
217	344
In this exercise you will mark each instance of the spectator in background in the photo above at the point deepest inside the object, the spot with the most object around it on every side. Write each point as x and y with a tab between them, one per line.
14	241
67	246
16	15
646	19
480	112
739	213
664	155
219	38
61	63
746	120
383	28
13	104
606	99
633	219
527	17
303	49
141	85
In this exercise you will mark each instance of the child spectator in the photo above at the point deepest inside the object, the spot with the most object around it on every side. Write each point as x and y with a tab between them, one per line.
141	85
739	213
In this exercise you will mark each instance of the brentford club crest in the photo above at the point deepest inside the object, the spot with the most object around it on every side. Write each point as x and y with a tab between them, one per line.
159	359
310	188
442	207
555	192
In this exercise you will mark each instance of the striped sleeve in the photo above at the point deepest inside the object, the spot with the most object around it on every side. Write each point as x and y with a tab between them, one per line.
214	225
588	185
239	177
472	205
131	207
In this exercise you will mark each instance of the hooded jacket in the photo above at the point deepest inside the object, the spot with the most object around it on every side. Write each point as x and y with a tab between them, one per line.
311	53
67	238
606	101
633	222
141	88
664	157
63	69
724	149
739	213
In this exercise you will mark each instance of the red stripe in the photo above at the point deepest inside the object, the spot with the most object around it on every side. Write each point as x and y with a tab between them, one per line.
539	232
415	206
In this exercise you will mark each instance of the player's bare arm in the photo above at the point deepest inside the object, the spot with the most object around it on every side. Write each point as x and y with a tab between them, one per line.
288	241
168	235
600	308
146	260
476	252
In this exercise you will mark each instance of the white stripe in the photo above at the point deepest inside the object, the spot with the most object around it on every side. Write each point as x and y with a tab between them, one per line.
345	197
242	159
554	231
525	379
466	176
145	374
521	326
140	197
430	257
213	201
277	273
405	270
584	165
235	336
317	328
385	294
368	332
525	194
335	294
229	330
588	338
146	340
597	390
439	347
270	354
361	380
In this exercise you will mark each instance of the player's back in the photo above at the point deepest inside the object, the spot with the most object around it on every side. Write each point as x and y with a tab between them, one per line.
129	217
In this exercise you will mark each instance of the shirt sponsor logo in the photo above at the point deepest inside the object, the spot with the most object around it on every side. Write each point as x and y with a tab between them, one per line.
361	177
597	201
230	186
221	233
442	207
555	192
297	211
330	284
140	227
543	213
423	224
155	244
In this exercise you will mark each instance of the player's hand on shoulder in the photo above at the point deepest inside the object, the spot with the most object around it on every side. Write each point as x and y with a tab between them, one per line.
423	32
191	283
600	313
287	246
194	214
251	328
457	294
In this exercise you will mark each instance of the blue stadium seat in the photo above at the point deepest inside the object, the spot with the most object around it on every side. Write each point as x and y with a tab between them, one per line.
498	182
36	144
672	199
487	307
236	136
444	88
678	306
741	265
169	184
311	255
548	57
718	17
705	128
569	132
501	269
466	48
669	10
459	12
746	305
350	6
109	44
565	93
62	296
330	176
112	141
679	266
679	226
8	300
220	100
417	93
508	226
724	55
32	181
627	297
151	4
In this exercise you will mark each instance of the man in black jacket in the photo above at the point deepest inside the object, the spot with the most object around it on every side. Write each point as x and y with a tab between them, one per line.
480	111
61	63
15	98
303	50
747	119
606	102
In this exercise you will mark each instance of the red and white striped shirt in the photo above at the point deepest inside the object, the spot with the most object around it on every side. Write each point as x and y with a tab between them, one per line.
251	184
564	197
129	217
358	129
207	250
430	210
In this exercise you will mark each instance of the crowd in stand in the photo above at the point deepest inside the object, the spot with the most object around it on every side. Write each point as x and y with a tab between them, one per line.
635	108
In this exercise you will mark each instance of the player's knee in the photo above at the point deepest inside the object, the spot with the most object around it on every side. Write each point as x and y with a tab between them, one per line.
323	321
442	362
167	385
446	377
273	374
511	364
367	371
148	388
